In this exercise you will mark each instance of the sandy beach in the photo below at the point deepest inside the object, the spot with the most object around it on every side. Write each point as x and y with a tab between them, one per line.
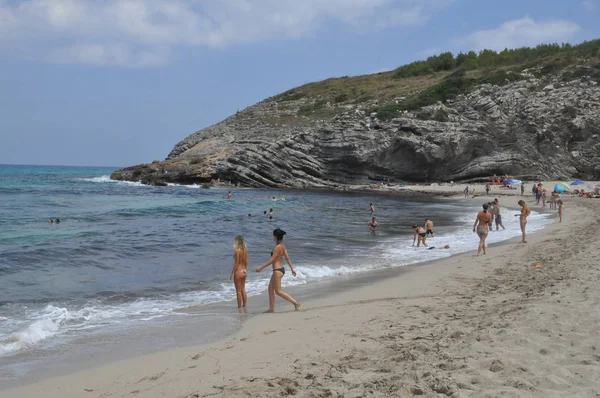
464	326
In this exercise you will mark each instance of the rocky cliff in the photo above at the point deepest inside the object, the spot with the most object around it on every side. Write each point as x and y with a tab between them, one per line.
532	124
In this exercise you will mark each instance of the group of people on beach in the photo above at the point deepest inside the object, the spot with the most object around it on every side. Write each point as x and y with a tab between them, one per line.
240	272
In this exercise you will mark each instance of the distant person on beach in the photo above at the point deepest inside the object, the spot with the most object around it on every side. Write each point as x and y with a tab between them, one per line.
372	208
481	227
538	193
522	189
544	198
466	192
525	212
420	235
239	272
278	271
229	195
553	199
429	227
491	212
497	215
373	224
487	189
559	203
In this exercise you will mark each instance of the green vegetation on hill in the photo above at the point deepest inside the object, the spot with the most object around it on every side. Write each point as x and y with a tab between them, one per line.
442	77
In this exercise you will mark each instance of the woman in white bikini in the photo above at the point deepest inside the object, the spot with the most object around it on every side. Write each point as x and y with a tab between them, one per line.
239	272
480	226
278	271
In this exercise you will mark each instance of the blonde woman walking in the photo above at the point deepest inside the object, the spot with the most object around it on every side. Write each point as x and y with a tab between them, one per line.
239	272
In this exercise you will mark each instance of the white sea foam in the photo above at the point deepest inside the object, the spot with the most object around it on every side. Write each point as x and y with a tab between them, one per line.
107	179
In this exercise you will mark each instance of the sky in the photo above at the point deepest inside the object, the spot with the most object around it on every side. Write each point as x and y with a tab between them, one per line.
120	82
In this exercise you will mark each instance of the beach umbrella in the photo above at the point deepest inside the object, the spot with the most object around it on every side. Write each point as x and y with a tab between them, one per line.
577	182
559	188
512	182
565	186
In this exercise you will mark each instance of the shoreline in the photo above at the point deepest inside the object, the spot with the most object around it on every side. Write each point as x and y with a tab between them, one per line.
362	290
223	314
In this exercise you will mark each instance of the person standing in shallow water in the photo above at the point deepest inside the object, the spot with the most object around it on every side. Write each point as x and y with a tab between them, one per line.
278	271
481	227
525	212
429	227
372	208
239	272
420	234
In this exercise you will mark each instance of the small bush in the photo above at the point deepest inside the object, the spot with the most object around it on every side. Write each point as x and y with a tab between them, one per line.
570	111
423	115
440	116
155	161
195	161
340	98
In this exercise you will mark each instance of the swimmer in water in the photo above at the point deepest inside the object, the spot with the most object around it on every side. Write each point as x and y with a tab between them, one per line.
274	199
229	195
373	224
278	271
372	208
270	218
50	221
239	272
57	221
271	212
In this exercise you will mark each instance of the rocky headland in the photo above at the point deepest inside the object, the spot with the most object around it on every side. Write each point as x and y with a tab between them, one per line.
532	120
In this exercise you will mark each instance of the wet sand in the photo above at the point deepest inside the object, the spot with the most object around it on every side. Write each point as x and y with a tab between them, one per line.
463	326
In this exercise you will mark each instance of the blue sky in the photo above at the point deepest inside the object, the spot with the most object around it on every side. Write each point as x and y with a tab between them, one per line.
120	82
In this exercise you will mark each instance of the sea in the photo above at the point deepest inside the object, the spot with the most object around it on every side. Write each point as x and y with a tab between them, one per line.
131	263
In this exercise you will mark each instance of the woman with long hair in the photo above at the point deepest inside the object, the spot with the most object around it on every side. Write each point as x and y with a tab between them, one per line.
278	271
480	226
239	273
525	212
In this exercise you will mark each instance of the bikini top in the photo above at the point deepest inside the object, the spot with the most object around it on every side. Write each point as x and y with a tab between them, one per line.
272	251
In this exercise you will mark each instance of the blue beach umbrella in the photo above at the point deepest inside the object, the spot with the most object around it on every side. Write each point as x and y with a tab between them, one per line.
577	182
512	182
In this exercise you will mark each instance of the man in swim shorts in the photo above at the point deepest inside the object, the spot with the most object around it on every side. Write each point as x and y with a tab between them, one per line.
497	216
429	227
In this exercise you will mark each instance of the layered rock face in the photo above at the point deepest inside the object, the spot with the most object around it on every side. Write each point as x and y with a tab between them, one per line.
533	128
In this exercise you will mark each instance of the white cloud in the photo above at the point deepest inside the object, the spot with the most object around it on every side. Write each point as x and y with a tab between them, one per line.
589	5
520	33
144	32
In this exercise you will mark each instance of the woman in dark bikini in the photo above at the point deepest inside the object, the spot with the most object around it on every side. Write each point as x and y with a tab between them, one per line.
421	234
278	271
480	226
239	272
